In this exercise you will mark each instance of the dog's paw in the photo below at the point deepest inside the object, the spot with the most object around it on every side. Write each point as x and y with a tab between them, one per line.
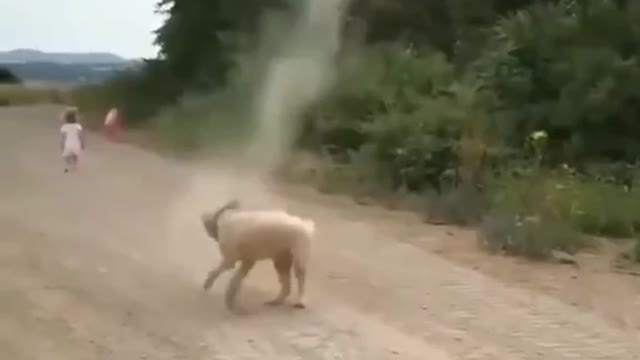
276	302
238	311
207	283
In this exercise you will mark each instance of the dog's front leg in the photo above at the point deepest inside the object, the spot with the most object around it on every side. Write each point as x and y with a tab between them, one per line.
216	272
235	282
282	264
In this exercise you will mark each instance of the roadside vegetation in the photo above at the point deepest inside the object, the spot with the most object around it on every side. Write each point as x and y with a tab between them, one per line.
520	118
14	92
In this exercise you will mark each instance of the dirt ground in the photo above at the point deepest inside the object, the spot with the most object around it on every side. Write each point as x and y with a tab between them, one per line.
107	263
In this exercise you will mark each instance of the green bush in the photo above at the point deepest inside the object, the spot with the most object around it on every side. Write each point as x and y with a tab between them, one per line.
533	215
459	206
593	207
605	209
569	68
8	77
411	112
202	121
532	237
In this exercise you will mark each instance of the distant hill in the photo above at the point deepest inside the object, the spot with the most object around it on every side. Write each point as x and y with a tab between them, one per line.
67	73
30	55
60	67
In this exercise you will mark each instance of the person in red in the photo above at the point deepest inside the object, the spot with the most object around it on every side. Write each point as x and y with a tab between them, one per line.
112	125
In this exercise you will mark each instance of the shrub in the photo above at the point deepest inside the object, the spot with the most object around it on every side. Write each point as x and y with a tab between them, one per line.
463	205
532	215
8	77
402	107
201	121
605	209
532	237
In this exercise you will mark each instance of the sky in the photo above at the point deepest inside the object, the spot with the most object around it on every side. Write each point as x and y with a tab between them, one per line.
123	27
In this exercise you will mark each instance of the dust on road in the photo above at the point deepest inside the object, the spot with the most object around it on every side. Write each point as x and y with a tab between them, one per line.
107	264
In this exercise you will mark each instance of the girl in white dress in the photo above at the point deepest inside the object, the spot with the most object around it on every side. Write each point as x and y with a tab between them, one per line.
72	140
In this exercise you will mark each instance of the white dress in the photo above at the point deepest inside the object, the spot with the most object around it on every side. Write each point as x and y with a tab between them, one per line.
72	144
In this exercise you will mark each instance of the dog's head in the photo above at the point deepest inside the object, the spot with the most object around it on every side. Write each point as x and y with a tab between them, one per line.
210	219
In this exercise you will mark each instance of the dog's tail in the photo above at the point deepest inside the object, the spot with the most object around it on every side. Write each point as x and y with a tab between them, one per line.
309	227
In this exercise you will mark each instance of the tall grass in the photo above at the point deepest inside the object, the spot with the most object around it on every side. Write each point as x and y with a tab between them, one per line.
20	94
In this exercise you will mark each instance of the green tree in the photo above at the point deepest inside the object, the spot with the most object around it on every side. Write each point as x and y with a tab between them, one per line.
8	77
569	69
199	37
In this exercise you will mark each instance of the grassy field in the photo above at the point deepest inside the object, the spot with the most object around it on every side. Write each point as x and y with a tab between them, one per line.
32	93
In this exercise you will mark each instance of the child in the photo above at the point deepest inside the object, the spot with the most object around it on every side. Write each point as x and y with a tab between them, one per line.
112	124
72	140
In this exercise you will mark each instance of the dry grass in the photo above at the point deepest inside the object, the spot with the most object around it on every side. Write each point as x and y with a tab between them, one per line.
12	95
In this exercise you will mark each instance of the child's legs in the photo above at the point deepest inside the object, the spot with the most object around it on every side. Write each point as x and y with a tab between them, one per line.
74	160
67	162
70	160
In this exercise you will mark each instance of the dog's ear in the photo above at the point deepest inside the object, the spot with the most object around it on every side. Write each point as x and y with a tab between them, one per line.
206	217
233	204
209	222
210	219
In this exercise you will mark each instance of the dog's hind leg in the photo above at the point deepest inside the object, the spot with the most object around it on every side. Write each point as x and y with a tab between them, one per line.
301	275
282	263
300	259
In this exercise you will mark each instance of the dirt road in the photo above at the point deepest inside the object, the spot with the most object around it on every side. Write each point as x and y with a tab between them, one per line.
107	263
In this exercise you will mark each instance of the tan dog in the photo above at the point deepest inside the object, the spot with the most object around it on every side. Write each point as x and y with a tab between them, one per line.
248	236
